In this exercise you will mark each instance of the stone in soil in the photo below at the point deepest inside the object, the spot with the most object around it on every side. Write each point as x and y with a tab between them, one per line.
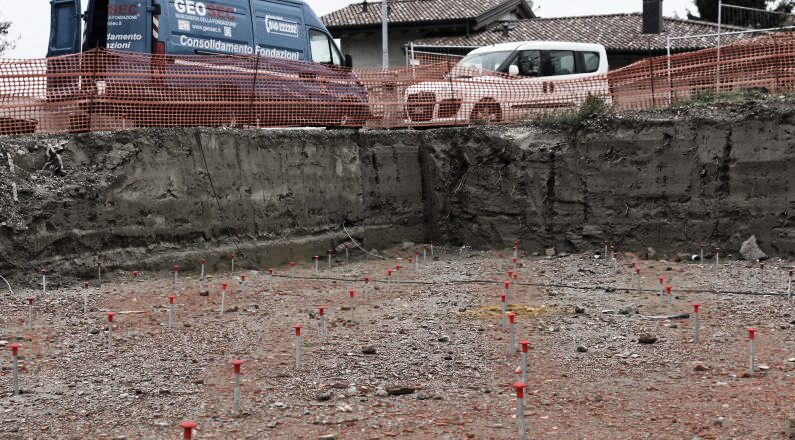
750	250
647	339
399	390
369	350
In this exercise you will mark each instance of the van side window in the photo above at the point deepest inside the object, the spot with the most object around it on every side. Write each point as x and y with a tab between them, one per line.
561	62
590	62
529	62
323	50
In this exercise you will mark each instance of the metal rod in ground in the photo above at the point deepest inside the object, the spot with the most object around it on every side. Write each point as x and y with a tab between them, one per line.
604	255
662	281
366	283
717	256
499	263
525	345
751	337
30	313
389	281
668	289
317	259
15	366
135	283
232	256
511	322
730	258
99	273
201	277
503	319
637	278
431	248
43	281
701	253
85	297
508	291
789	285
346	254
170	311
520	386
321	312
292	272
351	304
297	328
242	284
270	280
329	259
424	255
695	322
110	330
176	277
223	297
761	276
236	364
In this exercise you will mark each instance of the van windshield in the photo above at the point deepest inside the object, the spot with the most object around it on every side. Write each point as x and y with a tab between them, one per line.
487	61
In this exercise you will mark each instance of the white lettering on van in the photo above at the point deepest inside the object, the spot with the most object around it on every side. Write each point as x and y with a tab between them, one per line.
281	26
191	7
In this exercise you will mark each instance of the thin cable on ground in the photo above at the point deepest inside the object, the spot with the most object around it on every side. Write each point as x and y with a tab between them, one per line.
547	285
357	244
9	286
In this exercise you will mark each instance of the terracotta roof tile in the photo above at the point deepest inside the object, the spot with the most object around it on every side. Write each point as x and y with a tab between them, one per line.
615	32
408	11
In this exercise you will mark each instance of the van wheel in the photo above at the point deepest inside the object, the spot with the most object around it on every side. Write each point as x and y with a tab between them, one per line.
488	112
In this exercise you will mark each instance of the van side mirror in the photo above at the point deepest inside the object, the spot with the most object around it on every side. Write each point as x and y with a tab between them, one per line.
348	61
513	69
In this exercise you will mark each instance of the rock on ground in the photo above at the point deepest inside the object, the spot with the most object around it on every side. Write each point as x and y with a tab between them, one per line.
750	250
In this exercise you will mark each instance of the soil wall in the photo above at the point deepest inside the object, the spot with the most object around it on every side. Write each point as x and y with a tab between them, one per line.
148	198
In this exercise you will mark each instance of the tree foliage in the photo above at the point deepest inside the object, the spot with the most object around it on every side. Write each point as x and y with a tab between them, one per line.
5	45
708	11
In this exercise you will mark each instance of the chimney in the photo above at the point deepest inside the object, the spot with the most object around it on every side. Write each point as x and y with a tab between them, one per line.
364	6
652	16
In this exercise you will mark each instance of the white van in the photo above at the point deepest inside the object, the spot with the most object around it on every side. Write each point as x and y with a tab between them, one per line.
511	82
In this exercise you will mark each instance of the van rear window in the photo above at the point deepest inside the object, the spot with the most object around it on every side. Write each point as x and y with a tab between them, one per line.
590	62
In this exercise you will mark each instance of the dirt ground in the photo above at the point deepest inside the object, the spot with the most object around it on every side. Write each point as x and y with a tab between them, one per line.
437	337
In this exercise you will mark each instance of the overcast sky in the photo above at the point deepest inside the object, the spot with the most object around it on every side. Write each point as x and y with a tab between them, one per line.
31	18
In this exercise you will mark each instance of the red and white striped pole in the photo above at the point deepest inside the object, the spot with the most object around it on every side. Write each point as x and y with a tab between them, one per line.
298	328
511	322
187	429
366	283
15	366
236	365
519	387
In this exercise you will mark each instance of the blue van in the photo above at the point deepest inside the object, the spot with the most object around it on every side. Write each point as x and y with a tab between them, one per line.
266	58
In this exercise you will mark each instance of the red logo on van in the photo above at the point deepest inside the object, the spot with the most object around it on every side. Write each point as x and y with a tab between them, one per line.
124	9
220	12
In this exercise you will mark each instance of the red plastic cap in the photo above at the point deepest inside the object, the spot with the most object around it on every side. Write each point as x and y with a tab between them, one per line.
321	310
389	272
510	272
717	249
366	280
99	263
237	364
525	345
695	308
110	316
634	264
224	286
232	256
30	300
187	427
171	299
329	251
791	272
612	248
292	264
501	255
351	293
411	260
730	256
425	246
503	297
519	387
43	271
507	284
14	349
515	276
135	274
761	265
176	268
701	245
662	279
242	278
637	270
202	261
270	271
397	267
752	333
513	260
511	317
668	288
607	241
417	252
316	257
298	328
85	284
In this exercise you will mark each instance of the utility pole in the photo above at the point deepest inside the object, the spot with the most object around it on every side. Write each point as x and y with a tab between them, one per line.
384	35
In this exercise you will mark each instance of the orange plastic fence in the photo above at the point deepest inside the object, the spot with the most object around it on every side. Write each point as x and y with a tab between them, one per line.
110	90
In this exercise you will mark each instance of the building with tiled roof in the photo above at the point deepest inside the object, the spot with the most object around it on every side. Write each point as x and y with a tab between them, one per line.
358	25
458	26
621	34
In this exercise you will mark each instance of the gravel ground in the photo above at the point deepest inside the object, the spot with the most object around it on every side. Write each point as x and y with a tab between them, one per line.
436	338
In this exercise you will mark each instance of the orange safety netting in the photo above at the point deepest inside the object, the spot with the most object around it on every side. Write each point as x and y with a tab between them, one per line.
110	90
